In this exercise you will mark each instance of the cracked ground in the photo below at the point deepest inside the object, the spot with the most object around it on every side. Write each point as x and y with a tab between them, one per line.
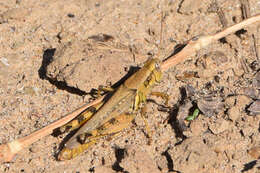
50	62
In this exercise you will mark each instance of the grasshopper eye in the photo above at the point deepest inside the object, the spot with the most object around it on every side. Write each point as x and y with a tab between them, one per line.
157	65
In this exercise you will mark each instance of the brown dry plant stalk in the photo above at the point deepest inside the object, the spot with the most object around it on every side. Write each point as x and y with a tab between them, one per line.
9	150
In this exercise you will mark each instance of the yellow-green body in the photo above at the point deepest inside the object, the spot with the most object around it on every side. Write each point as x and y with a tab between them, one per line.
126	99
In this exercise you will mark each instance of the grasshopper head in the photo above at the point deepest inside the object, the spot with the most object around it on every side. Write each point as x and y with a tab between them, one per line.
148	75
153	64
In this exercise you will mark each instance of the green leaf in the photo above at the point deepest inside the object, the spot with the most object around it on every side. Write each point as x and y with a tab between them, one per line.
193	116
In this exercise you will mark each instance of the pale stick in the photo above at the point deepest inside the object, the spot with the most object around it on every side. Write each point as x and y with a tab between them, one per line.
201	42
9	150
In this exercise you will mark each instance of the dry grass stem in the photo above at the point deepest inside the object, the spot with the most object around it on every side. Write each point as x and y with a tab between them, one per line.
196	44
9	150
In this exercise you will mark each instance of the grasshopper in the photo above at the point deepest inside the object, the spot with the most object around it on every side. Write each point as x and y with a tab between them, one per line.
116	113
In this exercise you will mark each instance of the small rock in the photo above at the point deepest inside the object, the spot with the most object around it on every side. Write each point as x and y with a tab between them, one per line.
137	160
230	101
242	101
234	113
34	149
197	127
257	76
256	80
251	92
254	108
190	90
219	127
255	152
4	61
239	71
210	105
256	83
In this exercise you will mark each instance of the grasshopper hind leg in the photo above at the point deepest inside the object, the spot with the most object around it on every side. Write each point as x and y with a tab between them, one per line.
86	115
80	119
111	129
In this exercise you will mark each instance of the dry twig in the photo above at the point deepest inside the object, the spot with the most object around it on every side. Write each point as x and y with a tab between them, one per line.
9	150
196	44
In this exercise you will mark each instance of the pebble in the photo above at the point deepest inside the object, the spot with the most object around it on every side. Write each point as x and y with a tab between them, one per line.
234	113
242	101
219	126
230	101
